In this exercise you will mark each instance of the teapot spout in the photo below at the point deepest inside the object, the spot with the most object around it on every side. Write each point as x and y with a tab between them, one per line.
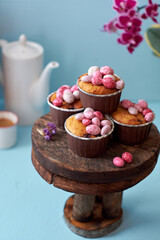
39	89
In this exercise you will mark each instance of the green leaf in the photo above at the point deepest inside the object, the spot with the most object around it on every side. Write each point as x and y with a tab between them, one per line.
152	37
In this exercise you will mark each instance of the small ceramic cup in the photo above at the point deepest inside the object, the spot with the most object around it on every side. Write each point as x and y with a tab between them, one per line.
59	115
8	129
88	147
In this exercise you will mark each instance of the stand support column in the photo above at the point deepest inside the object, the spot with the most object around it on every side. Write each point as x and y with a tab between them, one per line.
83	207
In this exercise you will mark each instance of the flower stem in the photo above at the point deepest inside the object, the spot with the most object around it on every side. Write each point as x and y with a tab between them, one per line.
140	8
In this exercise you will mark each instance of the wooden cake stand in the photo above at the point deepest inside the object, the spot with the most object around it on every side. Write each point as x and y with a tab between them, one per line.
95	209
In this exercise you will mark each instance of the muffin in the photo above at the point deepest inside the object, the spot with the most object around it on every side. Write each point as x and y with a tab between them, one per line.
100	89
63	103
88	132
132	121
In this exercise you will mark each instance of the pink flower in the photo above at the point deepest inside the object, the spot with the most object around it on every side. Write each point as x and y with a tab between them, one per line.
110	27
151	10
129	24
124	5
131	40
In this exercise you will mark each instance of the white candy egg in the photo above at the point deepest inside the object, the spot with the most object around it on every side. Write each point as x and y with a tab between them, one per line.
92	69
68	97
76	94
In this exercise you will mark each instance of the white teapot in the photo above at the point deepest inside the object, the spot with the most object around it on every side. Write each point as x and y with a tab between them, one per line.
26	86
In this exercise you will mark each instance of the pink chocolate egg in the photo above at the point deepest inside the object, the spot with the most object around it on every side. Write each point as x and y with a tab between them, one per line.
92	69
142	103
96	121
105	130
106	70
120	84
109	82
133	110
96	81
110	76
59	94
138	108
99	115
86	121
97	74
127	157
93	129
118	162
145	111
79	116
57	102
89	109
76	94
64	87
89	114
106	122
126	103
74	88
149	117
86	78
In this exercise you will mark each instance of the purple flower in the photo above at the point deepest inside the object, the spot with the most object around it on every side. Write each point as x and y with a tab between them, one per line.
51	125
46	131
151	10
48	137
110	27
131	40
129	24
124	5
49	131
53	131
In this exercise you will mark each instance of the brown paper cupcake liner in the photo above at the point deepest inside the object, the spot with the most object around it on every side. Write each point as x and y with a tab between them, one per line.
88	147
103	103
59	115
131	134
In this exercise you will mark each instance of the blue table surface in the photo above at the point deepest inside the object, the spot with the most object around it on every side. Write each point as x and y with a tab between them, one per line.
31	209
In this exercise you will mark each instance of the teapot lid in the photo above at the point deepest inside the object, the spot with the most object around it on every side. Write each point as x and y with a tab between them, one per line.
23	49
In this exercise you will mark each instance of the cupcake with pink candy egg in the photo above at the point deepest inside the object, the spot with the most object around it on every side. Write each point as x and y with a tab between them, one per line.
133	121
100	89
63	103
88	132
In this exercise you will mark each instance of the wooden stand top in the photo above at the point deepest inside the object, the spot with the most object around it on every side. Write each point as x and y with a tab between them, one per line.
56	158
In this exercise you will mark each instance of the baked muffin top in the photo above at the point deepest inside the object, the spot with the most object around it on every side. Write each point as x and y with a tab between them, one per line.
76	127
66	97
100	81
89	124
133	113
122	115
75	105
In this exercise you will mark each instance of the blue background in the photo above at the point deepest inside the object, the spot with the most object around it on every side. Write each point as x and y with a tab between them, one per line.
70	34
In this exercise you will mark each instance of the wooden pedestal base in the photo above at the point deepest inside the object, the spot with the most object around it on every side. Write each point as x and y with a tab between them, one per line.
97	226
95	210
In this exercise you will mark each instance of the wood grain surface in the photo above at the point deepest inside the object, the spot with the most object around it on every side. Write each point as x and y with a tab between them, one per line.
86	188
57	159
97	226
